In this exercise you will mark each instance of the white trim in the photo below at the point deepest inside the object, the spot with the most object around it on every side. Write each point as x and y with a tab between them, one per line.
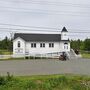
18	38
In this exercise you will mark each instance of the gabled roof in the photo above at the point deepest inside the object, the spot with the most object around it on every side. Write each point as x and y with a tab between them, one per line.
64	30
38	37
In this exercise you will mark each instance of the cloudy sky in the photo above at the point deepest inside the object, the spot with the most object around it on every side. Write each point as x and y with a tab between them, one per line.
45	15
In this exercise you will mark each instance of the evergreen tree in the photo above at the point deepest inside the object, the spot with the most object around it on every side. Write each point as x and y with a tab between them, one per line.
6	44
87	44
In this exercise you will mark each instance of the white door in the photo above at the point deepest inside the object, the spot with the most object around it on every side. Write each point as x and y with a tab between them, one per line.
65	46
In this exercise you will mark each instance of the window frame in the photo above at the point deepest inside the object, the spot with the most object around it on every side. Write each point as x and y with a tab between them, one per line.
33	45
51	45
42	45
19	44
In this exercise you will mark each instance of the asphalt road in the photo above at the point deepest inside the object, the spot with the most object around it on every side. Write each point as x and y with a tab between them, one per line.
45	67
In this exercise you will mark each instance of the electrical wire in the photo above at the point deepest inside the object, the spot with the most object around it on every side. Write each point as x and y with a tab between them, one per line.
23	29
28	26
52	3
48	12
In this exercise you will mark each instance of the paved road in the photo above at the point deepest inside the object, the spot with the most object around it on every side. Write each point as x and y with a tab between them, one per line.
45	67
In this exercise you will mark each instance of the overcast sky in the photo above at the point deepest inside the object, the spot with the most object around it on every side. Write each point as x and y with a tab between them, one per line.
73	14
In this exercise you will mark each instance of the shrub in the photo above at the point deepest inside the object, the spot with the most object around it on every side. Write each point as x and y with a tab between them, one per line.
2	80
9	77
31	85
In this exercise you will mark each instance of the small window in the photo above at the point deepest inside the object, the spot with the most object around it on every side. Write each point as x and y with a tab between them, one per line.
42	44
51	44
19	44
33	45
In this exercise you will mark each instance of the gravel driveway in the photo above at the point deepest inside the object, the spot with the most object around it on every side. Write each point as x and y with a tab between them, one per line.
45	67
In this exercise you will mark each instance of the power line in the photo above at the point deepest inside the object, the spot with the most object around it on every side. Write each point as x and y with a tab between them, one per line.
53	3
44	28
48	12
80	32
73	34
29	26
58	4
11	29
55	11
16	29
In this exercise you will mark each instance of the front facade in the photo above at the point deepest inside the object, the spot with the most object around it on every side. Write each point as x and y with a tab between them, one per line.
40	43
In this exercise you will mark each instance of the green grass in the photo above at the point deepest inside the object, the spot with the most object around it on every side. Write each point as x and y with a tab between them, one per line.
21	58
45	82
25	58
5	52
8	59
85	55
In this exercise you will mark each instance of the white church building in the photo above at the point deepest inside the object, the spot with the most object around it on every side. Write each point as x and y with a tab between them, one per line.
34	43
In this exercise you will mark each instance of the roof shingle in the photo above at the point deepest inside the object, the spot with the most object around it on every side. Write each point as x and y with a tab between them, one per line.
38	37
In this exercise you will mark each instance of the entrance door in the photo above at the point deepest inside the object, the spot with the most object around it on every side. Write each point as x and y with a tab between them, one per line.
66	46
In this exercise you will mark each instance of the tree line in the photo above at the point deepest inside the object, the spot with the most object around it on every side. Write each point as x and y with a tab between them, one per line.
6	44
81	44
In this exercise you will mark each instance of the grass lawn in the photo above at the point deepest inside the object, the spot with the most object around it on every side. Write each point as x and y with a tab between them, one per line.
24	58
8	59
85	55
5	52
45	82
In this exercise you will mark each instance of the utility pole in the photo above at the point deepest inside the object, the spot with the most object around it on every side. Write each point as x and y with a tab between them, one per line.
11	39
